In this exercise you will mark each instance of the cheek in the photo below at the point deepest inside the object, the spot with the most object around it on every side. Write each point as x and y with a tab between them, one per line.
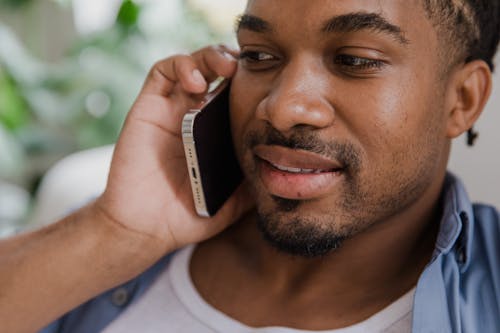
247	92
378	118
242	106
398	125
393	114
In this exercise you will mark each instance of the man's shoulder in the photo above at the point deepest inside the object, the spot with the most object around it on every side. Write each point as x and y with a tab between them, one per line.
486	211
484	246
486	222
480	274
485	242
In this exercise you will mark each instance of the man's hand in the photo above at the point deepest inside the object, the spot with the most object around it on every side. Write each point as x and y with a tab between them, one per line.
148	190
145	212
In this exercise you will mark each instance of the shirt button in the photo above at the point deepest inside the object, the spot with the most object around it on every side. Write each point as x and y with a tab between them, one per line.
120	297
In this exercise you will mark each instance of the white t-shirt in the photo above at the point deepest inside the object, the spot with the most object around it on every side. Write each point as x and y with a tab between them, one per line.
172	304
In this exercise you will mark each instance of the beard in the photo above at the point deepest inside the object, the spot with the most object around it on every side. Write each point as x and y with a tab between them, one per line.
298	236
312	228
290	231
283	226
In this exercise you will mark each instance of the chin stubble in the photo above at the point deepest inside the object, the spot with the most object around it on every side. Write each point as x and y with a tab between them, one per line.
283	227
298	237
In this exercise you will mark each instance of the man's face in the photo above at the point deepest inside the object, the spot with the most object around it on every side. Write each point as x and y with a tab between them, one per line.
337	116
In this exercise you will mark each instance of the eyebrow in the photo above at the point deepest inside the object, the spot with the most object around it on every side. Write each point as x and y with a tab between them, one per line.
252	23
351	22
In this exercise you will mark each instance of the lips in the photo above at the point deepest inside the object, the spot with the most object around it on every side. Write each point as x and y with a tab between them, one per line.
295	159
296	174
297	170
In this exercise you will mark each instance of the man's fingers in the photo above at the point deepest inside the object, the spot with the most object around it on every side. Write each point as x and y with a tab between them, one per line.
216	61
235	53
192	72
165	74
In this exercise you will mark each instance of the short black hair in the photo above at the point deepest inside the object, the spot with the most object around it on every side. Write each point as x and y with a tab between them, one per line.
469	29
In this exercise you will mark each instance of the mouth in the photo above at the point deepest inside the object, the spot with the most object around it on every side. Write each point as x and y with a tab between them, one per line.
300	170
296	174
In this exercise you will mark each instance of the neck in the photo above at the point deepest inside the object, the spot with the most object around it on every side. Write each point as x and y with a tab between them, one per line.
368	272
385	255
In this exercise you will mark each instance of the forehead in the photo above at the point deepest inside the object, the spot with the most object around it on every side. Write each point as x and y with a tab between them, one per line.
318	7
309	16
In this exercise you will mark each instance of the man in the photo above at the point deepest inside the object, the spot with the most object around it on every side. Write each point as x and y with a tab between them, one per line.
342	118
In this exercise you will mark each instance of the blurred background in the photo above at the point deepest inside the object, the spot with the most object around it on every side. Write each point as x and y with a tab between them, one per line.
69	72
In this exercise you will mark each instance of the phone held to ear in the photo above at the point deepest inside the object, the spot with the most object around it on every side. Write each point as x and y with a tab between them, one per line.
213	169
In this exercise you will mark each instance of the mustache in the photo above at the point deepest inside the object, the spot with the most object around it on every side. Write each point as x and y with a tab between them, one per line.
306	139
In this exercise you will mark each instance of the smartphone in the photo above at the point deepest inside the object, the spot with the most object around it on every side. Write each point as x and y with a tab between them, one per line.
213	169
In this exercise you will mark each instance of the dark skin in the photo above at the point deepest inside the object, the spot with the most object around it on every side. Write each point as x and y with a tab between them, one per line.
400	118
369	116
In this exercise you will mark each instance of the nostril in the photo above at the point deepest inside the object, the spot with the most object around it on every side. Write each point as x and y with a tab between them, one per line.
284	113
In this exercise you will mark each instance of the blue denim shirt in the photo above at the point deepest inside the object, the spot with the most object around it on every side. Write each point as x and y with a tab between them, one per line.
459	290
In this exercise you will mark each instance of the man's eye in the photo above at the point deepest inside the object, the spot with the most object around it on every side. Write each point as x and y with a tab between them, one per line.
255	56
258	61
354	63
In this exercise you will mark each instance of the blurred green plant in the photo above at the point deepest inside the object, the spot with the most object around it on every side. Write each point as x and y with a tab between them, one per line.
128	14
49	110
14	3
13	109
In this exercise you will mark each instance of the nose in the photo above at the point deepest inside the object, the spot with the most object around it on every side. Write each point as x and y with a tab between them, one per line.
298	97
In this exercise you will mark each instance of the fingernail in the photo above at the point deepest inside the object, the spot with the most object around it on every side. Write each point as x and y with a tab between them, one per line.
198	77
228	56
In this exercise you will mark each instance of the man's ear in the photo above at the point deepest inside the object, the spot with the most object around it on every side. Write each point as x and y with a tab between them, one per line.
470	90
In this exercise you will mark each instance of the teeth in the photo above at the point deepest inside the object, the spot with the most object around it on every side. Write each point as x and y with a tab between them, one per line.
297	170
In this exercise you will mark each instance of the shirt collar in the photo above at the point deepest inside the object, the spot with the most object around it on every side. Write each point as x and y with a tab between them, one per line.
456	222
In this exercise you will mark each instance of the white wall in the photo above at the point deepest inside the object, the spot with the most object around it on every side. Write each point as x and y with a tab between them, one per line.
45	27
479	166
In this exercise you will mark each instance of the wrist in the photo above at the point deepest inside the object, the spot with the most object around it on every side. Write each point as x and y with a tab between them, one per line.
127	251
71	261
